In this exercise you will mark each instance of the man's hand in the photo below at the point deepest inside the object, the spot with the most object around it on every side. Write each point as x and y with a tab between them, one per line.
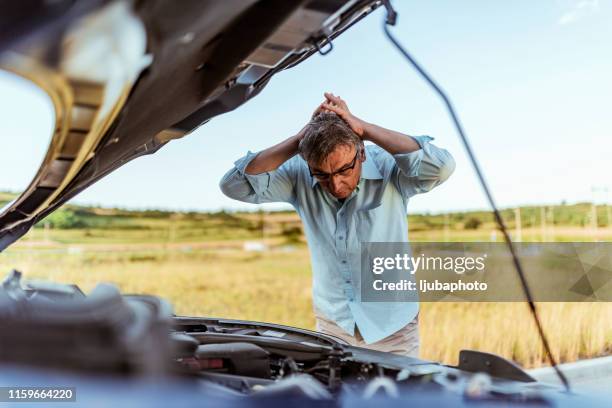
393	142
339	107
300	135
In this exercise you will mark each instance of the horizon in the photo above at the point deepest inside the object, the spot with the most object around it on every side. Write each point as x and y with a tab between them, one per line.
256	209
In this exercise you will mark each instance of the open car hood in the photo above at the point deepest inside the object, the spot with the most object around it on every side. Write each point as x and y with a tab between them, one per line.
127	77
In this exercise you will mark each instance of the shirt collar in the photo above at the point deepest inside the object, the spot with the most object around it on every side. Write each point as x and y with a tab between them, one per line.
368	170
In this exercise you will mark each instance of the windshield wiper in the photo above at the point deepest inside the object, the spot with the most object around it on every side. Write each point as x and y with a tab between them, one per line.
390	20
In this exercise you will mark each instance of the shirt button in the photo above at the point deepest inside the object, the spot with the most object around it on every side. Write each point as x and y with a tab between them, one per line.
340	237
344	261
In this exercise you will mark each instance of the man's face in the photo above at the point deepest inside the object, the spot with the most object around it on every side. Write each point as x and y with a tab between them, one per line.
344	179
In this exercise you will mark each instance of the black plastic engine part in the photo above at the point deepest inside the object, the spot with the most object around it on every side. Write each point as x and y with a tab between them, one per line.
239	358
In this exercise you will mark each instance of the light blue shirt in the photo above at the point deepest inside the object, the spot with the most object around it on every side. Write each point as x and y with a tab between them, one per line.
374	212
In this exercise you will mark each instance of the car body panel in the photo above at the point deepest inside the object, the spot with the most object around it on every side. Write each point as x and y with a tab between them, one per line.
207	58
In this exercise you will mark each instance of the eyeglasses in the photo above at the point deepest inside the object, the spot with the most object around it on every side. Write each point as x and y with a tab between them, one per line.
345	171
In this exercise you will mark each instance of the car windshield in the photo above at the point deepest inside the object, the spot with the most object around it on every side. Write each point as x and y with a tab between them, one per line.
532	85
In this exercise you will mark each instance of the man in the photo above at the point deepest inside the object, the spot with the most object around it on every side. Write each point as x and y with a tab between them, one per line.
347	193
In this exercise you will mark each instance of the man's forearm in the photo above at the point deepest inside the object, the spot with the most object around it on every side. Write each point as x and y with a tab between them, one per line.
272	157
390	140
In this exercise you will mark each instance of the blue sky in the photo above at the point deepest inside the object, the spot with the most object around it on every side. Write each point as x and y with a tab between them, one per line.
530	80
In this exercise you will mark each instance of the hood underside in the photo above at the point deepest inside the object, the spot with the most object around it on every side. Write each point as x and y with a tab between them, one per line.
127	77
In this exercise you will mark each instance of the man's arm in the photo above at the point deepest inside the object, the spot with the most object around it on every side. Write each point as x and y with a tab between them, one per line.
390	140
272	157
267	176
417	165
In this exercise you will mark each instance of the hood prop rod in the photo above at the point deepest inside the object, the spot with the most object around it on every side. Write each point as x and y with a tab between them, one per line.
391	19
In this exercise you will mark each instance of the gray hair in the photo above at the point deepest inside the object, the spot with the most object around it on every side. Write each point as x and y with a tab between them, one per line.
323	134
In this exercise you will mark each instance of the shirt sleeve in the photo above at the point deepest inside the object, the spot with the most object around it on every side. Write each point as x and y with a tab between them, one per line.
422	170
271	186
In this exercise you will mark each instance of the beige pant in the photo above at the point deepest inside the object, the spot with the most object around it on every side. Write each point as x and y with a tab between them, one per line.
405	341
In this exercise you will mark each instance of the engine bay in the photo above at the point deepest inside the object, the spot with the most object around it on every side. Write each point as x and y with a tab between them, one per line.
111	335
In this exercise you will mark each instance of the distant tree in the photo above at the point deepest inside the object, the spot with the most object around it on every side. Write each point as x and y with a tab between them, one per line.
292	234
472	223
64	219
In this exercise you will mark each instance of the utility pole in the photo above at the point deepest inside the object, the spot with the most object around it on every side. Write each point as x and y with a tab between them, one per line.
518	234
550	222
543	223
593	217
606	201
446	227
594	220
608	211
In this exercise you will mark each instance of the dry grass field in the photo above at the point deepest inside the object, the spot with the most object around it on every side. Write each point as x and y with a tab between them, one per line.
198	262
223	280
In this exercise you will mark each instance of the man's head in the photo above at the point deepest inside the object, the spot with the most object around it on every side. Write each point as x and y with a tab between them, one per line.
334	154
